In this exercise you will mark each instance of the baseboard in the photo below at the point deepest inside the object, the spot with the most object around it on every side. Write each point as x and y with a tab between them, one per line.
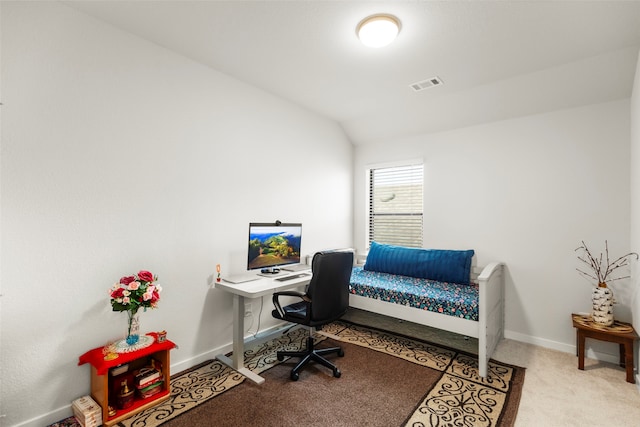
48	418
563	347
183	365
541	342
227	348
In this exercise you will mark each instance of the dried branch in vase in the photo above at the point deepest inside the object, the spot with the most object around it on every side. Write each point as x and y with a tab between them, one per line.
602	267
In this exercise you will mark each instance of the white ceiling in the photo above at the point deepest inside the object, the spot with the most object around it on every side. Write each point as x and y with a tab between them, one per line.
498	59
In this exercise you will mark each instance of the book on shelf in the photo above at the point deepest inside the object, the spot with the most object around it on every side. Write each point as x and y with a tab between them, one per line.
151	389
148	384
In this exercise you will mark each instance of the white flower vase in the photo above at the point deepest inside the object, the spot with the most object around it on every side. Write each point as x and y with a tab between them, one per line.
602	299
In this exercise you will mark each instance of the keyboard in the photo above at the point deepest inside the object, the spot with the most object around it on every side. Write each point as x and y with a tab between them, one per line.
297	267
293	276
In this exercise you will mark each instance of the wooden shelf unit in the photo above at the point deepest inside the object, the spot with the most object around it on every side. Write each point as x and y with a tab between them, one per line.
102	382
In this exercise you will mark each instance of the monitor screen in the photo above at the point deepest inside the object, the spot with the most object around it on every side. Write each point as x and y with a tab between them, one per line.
272	245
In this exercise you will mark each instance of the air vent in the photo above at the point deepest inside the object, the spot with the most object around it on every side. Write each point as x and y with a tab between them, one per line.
426	84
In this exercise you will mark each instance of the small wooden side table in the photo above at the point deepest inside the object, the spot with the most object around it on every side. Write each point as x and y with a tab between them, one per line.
620	332
102	381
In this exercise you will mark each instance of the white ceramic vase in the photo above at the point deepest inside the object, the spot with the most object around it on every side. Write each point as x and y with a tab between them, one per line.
602	299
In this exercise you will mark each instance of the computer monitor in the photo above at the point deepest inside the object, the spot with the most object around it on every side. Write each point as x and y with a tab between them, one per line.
273	244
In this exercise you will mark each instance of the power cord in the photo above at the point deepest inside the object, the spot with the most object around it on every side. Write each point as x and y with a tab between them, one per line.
255	335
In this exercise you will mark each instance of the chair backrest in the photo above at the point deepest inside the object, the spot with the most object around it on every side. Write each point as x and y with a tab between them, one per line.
329	285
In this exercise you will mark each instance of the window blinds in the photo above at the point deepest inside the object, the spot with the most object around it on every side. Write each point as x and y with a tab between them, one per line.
395	205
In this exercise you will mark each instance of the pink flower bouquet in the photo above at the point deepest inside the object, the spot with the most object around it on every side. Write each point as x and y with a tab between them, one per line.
133	292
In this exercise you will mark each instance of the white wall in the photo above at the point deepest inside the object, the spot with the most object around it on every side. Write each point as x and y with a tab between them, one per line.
118	155
635	199
526	192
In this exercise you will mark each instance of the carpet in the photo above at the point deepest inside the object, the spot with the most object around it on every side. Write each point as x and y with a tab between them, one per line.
387	379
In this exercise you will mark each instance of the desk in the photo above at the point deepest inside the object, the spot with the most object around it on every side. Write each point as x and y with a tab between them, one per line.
252	289
620	333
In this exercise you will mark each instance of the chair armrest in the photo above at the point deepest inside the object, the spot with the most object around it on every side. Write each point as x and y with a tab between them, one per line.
289	294
277	295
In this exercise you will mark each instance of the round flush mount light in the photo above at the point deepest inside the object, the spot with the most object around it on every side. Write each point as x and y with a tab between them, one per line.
378	30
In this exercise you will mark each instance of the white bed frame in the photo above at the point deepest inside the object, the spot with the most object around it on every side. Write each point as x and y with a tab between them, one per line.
489	329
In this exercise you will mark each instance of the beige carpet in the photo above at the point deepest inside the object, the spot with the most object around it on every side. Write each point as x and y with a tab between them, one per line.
387	379
555	393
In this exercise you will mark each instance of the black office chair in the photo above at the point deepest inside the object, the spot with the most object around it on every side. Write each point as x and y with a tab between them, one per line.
326	300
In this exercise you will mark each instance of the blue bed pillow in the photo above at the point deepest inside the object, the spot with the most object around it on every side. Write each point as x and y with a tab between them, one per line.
435	264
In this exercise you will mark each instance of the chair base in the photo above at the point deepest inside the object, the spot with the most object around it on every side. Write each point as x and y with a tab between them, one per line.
312	354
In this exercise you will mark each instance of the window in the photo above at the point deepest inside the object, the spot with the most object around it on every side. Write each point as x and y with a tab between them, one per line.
395	205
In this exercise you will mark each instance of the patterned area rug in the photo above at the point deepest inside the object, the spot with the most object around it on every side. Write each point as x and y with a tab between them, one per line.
461	397
458	398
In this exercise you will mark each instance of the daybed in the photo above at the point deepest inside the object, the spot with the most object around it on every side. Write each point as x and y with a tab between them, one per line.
438	288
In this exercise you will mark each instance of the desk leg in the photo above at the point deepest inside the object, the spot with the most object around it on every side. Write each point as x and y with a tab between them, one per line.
581	340
237	358
238	332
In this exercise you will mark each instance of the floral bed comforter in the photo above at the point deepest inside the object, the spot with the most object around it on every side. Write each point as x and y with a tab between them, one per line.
440	297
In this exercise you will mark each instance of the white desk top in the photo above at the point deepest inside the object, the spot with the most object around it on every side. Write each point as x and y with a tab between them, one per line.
264	286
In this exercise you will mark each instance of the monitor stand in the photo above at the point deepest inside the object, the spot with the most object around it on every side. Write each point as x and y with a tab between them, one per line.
269	272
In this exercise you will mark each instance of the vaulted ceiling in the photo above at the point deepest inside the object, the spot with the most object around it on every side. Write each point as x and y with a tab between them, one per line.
497	59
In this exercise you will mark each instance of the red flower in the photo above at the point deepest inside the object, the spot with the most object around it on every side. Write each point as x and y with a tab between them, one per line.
145	276
127	279
118	293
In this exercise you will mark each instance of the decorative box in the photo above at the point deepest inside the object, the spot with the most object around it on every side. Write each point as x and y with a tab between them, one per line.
87	412
125	395
118	370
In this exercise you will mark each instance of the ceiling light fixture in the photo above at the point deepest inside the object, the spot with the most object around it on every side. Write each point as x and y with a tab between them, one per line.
378	30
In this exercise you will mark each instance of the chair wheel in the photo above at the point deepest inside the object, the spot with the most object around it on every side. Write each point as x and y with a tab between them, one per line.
337	373
295	376
341	353
280	357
